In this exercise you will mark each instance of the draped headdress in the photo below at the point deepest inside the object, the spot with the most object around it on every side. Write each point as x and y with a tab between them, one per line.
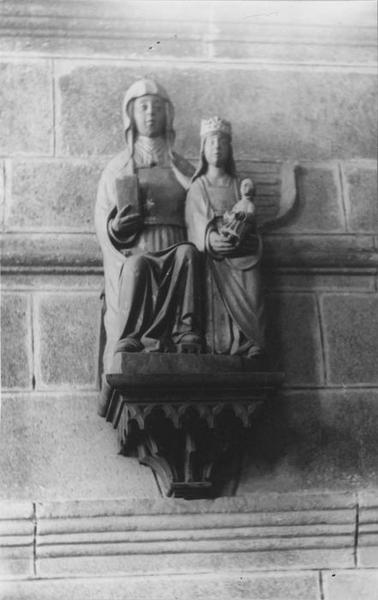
140	88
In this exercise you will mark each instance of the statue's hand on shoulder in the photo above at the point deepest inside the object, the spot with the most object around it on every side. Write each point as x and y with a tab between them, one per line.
126	223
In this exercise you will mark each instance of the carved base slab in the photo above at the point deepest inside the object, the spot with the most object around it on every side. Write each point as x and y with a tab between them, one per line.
187	417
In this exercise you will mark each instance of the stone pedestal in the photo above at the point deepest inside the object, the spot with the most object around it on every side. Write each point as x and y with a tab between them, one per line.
187	416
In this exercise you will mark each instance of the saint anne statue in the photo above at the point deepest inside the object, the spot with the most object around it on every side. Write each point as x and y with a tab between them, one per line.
152	289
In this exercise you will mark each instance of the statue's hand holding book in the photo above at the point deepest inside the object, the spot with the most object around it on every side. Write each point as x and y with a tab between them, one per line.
127	222
129	217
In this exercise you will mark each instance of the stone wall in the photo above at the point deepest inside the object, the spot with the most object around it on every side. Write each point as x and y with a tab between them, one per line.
297	86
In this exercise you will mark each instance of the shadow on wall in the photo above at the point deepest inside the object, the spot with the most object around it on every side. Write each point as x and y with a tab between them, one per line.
313	439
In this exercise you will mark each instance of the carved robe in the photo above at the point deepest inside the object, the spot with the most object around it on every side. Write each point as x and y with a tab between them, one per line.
150	277
235	309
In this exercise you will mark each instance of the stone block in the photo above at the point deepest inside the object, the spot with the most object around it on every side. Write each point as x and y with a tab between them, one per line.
51	249
361	197
324	439
54	446
329	279
50	281
222	586
16	347
318	207
350	585
293	338
315	251
264	532
367	553
180	562
52	196
67	339
334	112
89	114
350	325
26	119
16	539
2	193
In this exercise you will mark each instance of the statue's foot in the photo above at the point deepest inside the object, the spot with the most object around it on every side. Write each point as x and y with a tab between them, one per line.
190	343
255	352
160	346
129	345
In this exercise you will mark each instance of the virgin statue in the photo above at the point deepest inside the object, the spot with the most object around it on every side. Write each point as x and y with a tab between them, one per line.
152	291
236	323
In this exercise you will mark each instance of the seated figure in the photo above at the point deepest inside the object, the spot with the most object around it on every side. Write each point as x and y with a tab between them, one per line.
152	290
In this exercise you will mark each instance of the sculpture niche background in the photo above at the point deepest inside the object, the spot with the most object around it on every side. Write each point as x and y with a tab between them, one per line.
189	417
185	416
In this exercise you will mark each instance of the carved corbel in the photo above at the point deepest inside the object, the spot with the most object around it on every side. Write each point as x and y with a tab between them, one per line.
189	426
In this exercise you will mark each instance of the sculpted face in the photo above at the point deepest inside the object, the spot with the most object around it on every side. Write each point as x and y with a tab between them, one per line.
216	149
149	115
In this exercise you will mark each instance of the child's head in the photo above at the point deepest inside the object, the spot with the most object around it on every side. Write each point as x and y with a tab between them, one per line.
247	189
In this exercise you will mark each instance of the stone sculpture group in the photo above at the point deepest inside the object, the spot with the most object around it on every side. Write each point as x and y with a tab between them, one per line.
176	241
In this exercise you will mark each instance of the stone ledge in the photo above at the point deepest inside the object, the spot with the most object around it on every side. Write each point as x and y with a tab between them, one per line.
222	586
145	536
199	31
368	530
165	371
276	531
16	539
45	251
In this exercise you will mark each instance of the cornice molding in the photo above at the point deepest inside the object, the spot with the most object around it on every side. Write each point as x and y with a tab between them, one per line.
73	253
130	536
202	30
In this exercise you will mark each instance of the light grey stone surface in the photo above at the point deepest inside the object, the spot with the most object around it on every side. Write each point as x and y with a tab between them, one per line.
368	530
52	195
89	119
361	196
198	31
252	533
56	446
2	193
67	339
351	338
238	586
16	346
16	540
26	119
45	250
350	585
64	279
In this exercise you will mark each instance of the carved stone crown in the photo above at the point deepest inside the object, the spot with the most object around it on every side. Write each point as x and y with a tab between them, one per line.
215	125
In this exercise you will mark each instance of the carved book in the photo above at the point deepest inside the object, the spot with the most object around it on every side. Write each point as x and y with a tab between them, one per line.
128	194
